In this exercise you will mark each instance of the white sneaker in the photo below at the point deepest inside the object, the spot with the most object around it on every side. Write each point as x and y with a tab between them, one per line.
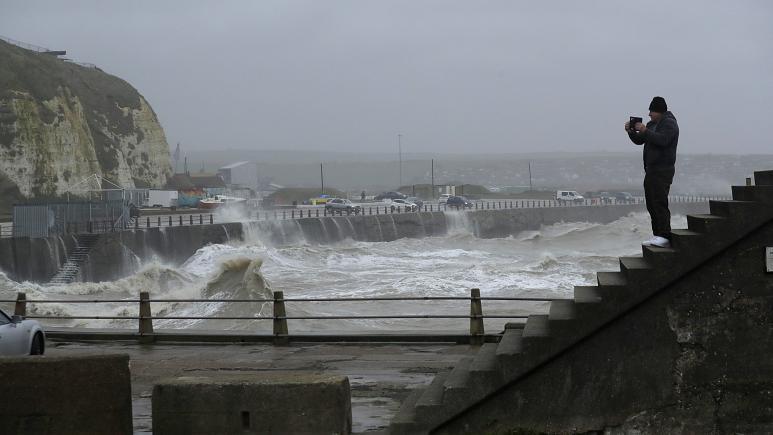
658	241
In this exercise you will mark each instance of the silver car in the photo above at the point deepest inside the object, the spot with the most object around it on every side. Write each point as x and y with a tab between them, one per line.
20	337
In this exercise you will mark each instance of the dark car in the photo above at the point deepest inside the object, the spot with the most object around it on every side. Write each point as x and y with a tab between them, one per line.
459	202
389	195
419	203
344	205
624	197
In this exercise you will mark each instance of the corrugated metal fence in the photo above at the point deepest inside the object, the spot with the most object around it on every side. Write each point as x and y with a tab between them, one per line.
42	220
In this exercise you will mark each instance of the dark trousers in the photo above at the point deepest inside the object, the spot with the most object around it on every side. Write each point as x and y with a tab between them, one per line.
657	184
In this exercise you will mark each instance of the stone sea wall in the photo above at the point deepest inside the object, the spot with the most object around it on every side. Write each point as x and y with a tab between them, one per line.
121	253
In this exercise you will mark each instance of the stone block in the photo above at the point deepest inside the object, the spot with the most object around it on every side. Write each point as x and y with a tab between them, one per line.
265	403
68	395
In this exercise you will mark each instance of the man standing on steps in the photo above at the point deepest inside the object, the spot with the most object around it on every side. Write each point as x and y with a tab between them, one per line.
659	138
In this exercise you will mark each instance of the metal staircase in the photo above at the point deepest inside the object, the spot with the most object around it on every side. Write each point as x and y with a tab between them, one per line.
524	348
71	268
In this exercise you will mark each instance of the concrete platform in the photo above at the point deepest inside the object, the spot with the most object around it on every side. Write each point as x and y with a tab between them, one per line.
381	375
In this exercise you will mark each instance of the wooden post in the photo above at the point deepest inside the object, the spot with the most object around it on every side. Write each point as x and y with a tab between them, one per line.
146	322
280	322
20	309
476	318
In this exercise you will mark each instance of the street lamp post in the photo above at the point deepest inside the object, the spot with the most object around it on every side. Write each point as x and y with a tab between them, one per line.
400	159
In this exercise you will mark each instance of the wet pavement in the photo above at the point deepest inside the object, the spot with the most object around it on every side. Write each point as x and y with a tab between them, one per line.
381	375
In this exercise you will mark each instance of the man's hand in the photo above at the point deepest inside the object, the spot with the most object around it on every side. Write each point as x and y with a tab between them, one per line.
641	128
627	125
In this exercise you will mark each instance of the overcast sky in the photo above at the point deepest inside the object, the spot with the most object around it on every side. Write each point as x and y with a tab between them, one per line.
450	76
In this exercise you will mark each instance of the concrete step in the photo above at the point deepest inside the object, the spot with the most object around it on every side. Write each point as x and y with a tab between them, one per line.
458	376
562	309
763	193
585	294
484	371
657	256
705	223
433	394
684	240
634	268
537	325
763	178
404	420
731	208
511	343
485	360
611	279
456	389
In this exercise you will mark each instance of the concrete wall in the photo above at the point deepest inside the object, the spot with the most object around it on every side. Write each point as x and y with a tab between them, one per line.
25	259
266	403
695	358
120	254
69	395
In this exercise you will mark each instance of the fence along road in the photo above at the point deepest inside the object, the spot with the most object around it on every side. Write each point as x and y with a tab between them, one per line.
281	333
198	218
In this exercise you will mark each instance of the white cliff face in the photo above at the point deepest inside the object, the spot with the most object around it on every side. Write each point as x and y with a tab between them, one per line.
47	146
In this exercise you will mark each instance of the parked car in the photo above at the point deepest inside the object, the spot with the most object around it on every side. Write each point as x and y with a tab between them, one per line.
20	337
601	197
403	204
389	195
569	196
624	197
419	203
459	202
344	205
443	198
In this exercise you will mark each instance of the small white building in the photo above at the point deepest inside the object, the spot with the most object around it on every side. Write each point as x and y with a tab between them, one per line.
240	175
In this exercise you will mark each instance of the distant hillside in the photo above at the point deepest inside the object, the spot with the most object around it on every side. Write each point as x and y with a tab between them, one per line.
61	122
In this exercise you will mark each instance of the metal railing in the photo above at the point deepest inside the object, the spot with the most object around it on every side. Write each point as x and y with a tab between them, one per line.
190	219
280	332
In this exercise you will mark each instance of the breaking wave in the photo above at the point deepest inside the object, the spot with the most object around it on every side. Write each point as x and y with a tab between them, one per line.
546	262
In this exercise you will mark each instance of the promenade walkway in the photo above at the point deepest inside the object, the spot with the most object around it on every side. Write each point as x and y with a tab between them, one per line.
381	375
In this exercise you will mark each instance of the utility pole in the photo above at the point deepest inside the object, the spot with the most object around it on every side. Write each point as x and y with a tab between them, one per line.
322	179
433	178
530	187
400	158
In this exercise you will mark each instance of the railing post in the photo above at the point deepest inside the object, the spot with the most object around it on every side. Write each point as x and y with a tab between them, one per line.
20	309
280	320
201	219
476	318
146	322
181	220
190	219
211	219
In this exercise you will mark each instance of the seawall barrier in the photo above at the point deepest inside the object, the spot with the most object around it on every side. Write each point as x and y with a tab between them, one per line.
121	253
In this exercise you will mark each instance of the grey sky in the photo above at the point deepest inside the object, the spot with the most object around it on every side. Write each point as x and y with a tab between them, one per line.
451	76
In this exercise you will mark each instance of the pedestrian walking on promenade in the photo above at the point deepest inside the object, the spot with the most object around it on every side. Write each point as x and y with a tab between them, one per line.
659	137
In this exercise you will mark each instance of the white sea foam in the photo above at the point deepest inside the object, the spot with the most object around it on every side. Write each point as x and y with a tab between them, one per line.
545	262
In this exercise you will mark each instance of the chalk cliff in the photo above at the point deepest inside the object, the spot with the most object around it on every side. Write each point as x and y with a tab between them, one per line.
61	122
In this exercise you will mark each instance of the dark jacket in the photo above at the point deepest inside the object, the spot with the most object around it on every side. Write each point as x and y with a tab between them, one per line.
659	142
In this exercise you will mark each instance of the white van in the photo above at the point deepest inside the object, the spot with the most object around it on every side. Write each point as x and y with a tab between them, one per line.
444	198
568	195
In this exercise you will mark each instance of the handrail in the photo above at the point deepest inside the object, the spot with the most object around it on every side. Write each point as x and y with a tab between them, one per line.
363	299
279	316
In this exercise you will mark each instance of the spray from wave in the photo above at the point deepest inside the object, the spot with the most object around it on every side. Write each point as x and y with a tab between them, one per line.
547	262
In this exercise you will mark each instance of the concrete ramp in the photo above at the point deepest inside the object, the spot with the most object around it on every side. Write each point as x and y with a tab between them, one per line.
678	340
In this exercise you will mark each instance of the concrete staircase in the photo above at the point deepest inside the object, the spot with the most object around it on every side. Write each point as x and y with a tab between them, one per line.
525	348
70	269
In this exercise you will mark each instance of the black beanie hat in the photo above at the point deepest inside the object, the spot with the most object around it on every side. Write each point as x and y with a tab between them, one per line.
658	104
